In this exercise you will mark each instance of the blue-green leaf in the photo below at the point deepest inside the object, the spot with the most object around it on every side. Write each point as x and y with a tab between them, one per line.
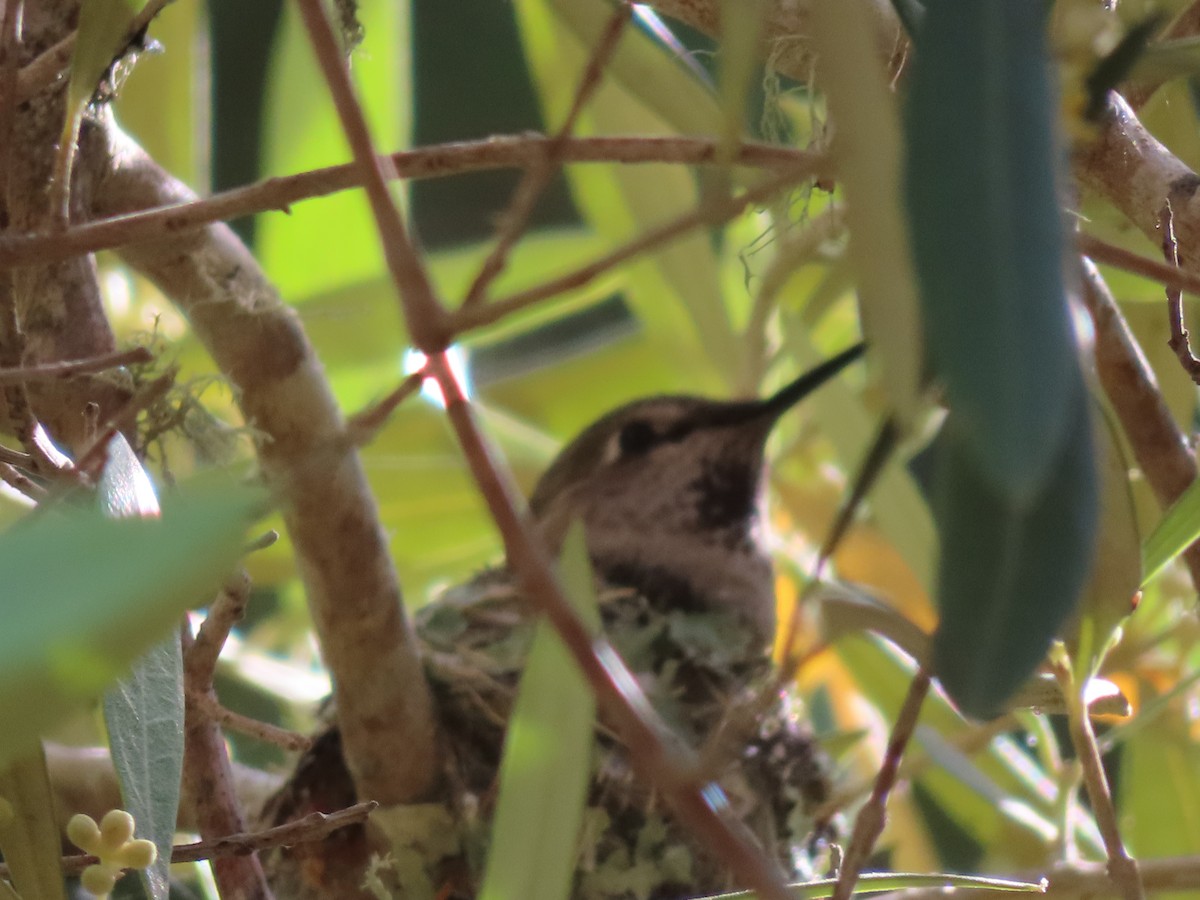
1010	572
143	712
988	234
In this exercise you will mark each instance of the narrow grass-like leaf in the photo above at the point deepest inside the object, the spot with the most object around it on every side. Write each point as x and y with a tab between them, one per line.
143	713
547	757
898	881
92	593
1179	528
29	836
988	234
868	148
1010	573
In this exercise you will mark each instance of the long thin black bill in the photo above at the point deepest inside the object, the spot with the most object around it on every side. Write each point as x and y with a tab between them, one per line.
789	395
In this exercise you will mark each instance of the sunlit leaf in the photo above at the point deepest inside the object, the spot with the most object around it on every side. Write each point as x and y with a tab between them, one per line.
29	834
1179	528
547	757
868	148
1160	767
331	243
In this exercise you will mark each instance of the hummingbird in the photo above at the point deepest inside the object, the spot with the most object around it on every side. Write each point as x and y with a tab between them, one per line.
670	491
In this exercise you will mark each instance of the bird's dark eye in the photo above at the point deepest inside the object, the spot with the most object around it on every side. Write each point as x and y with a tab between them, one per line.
636	437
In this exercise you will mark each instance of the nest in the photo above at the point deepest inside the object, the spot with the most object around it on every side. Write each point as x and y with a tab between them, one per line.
706	675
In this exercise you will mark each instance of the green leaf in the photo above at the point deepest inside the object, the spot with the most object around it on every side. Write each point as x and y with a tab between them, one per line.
29	834
1179	528
332	242
1109	595
1010	573
676	295
547	757
143	713
1160	767
104	33
80	626
898	881
868	147
988	234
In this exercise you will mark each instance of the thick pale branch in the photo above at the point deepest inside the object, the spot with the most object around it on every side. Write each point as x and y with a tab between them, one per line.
384	706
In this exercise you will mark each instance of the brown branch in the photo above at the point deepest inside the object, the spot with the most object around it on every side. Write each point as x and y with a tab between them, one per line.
68	368
522	152
468	319
1179	333
1126	260
422	312
873	815
658	758
516	217
1161	449
226	610
313	827
385	711
365	424
208	788
1122	868
209	707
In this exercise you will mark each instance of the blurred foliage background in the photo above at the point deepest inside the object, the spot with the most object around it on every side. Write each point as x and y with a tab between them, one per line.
234	96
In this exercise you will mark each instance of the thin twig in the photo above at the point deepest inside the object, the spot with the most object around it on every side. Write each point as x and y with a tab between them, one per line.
364	425
1120	258
707	214
18	480
208	789
224	612
1179	332
1122	868
422	312
669	767
516	217
1160	447
69	368
873	815
91	461
502	152
211	708
313	827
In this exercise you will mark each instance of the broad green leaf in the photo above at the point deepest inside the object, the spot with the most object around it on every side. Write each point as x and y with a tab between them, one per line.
868	150
1180	526
1160	806
29	835
1010	572
898	881
741	35
81	626
331	242
547	757
143	712
984	213
161	101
